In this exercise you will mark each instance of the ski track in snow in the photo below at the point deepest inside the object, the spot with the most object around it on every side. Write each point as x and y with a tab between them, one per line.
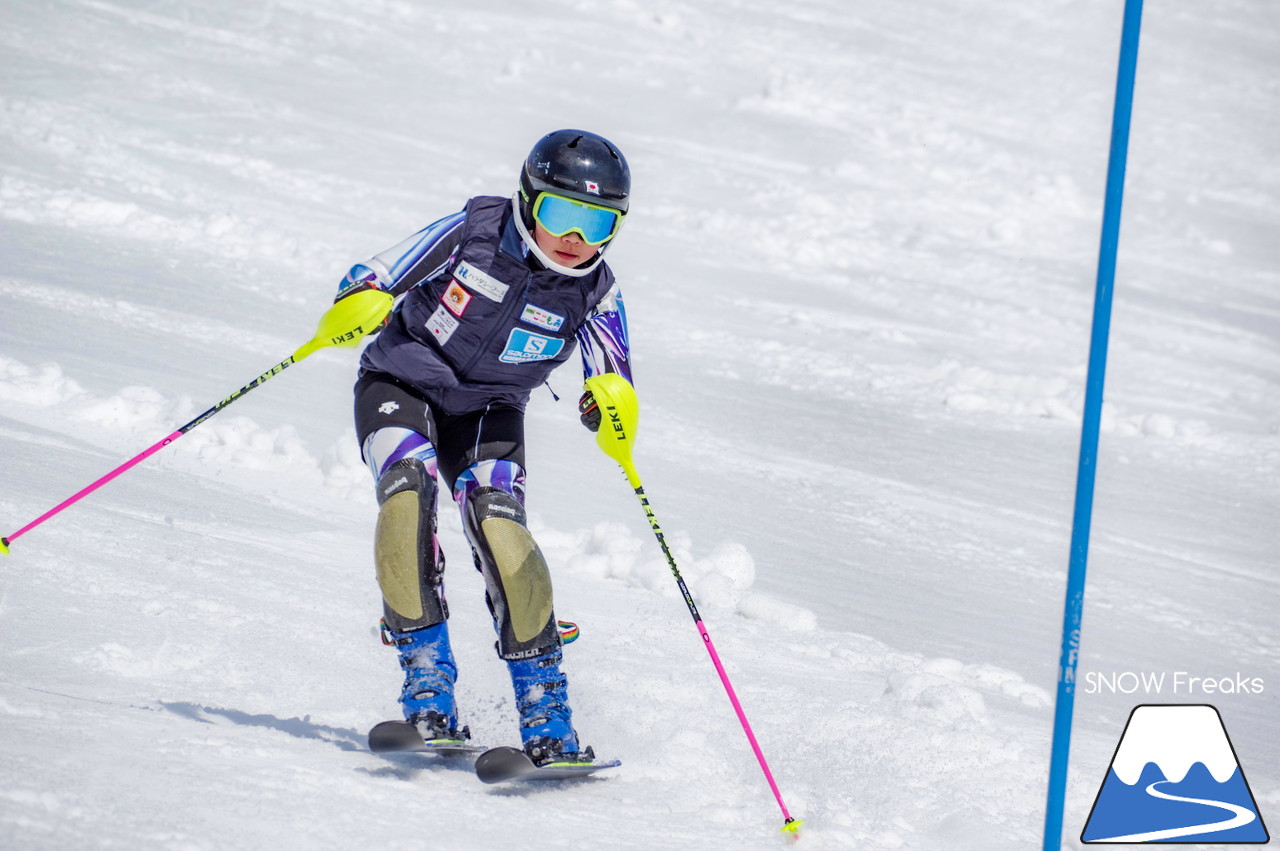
859	275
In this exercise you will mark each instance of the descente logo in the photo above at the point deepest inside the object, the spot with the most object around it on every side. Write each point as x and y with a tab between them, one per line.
1163	682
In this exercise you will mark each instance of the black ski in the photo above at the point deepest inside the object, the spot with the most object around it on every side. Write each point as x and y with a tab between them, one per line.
503	765
401	736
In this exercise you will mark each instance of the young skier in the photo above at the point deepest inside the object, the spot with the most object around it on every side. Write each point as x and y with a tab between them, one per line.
494	299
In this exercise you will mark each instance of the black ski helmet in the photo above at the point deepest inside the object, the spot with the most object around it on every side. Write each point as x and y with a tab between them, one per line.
576	164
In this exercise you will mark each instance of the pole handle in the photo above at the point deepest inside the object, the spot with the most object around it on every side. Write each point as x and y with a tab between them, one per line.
619	419
349	321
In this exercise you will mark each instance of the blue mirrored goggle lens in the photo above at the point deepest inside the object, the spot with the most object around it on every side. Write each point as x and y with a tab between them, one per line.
559	216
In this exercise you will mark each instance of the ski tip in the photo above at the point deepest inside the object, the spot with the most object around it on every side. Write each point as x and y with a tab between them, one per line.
4	546
792	827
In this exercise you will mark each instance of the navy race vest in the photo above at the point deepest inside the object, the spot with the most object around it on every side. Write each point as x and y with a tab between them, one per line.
488	329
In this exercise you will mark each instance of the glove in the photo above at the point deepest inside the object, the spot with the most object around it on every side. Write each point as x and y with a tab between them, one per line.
589	411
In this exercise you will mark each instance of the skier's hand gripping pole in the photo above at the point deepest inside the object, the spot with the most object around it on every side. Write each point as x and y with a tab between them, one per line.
344	325
620	415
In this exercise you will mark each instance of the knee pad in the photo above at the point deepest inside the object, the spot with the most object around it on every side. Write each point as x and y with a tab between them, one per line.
410	565
516	575
389	444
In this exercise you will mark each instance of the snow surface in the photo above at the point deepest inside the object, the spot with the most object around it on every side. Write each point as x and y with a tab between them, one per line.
860	274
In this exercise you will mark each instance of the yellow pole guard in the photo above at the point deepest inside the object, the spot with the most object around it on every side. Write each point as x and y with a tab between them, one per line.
619	418
348	322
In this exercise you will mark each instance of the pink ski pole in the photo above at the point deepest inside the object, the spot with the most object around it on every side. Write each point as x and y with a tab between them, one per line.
620	411
344	325
144	454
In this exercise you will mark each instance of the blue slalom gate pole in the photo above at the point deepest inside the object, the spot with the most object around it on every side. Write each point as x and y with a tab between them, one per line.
1073	612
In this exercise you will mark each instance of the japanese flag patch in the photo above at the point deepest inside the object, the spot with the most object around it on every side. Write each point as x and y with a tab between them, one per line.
442	325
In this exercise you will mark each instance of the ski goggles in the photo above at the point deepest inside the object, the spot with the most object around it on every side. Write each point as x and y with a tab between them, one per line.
560	216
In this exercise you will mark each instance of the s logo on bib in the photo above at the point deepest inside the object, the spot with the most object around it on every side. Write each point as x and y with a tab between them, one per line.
526	347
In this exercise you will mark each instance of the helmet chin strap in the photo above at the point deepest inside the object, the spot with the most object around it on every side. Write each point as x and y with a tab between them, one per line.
579	272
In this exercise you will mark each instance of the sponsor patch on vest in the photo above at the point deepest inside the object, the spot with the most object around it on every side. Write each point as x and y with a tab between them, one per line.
442	324
535	315
526	347
480	281
456	298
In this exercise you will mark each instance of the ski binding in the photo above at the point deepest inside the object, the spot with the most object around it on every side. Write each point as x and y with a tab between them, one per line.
403	737
502	765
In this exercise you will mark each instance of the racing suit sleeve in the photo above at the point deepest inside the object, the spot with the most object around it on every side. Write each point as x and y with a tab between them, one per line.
405	265
603	338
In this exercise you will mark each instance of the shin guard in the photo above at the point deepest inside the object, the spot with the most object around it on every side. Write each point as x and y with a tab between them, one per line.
410	565
516	574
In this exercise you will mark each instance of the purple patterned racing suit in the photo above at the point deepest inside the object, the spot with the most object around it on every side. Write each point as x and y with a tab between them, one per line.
480	322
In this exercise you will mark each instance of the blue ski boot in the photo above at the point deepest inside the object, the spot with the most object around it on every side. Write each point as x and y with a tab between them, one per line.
542	699
429	675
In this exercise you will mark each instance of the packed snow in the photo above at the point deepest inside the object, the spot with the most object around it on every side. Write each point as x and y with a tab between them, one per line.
859	270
